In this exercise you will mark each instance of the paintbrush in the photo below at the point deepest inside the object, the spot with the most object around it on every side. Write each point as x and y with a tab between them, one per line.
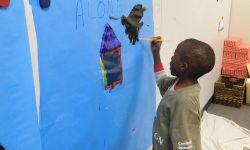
157	39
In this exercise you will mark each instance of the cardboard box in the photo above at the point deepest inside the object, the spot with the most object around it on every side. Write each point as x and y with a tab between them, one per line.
243	52
232	43
229	54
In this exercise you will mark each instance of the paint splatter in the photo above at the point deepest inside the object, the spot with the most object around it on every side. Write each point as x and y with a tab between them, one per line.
4	3
113	18
44	3
132	23
110	61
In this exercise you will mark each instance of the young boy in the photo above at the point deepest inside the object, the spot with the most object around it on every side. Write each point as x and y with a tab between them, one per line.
177	122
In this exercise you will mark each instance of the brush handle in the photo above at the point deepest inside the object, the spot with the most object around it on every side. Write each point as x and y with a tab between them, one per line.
153	39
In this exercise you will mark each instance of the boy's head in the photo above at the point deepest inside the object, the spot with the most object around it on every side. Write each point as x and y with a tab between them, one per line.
192	59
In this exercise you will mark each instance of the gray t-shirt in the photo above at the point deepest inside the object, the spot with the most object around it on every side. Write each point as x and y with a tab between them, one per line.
177	122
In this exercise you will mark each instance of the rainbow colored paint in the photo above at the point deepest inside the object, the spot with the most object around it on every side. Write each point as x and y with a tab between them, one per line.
110	59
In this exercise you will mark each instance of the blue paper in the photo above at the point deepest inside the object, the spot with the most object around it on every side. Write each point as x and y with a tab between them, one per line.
77	113
19	128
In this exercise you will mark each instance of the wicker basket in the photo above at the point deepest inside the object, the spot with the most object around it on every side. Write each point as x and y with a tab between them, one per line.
229	91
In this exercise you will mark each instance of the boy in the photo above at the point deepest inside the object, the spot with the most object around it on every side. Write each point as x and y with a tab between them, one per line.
177	122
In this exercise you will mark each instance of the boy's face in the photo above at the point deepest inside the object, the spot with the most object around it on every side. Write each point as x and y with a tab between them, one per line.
176	64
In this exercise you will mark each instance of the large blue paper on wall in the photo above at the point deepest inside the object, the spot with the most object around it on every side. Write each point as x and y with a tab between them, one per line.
19	128
77	113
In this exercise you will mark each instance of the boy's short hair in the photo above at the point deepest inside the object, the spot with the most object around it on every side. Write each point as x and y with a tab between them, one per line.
199	56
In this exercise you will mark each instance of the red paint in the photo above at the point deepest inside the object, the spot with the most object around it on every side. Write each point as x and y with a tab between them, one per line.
4	3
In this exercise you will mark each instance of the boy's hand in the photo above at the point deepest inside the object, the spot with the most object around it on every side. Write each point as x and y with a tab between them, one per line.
156	44
155	47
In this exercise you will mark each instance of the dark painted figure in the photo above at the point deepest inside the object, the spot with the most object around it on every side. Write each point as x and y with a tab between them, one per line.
2	148
132	23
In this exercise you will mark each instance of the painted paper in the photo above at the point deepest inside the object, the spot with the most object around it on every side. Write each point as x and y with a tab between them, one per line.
77	113
19	128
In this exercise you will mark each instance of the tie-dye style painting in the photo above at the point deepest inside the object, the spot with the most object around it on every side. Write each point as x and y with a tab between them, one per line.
110	54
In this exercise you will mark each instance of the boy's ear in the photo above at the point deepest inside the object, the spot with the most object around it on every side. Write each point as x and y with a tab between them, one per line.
184	66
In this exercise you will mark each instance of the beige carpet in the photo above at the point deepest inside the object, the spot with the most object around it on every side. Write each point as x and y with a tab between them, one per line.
241	115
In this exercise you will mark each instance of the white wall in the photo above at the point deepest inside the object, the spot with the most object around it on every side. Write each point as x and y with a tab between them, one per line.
177	20
33	51
240	22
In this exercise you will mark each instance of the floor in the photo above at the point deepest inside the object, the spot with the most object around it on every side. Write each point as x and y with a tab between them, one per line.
241	115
